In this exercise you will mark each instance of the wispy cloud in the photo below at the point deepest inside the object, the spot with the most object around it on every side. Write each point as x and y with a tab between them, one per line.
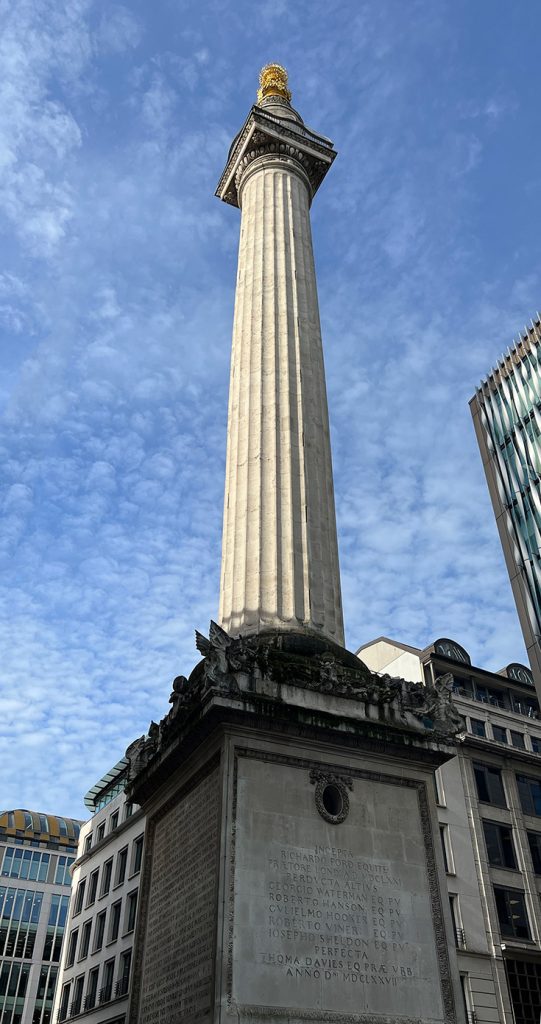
116	306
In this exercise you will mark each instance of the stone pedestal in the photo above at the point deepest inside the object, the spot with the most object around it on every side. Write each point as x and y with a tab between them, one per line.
293	869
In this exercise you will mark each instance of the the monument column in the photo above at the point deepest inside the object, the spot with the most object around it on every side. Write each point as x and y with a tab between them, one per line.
279	554
293	870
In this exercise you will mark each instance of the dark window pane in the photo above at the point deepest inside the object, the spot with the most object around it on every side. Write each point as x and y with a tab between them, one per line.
489	784
477	727
512	913
530	794
534	839
499	841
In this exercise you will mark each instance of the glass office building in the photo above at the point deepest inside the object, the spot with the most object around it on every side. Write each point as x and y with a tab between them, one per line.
506	410
37	852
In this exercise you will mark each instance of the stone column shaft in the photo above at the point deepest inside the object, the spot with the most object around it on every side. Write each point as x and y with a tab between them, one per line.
280	555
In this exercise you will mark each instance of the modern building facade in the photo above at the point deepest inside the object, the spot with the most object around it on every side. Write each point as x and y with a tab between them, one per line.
506	410
95	972
37	852
489	810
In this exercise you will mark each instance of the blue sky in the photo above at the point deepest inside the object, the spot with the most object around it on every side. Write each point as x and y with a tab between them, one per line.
116	298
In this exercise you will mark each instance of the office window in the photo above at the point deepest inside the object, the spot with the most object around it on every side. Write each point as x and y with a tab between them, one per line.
113	822
446	848
43	823
525	989
534	839
440	791
77	1002
536	744
129	811
100	930
64	1003
106	991
85	939
114	920
477	727
121	863
499	733
62	873
20	911
26	864
13	985
55	927
44	995
499	841
92	989
512	913
92	887
131	911
106	877
489	784
62	827
88	842
459	933
529	791
517	739
124	974
137	855
72	947
100	832
80	897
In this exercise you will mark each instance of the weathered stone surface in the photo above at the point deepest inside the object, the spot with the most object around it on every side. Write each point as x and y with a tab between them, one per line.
177	962
281	666
328	919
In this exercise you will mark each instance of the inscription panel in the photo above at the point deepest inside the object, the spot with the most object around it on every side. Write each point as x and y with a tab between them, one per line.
177	982
331	918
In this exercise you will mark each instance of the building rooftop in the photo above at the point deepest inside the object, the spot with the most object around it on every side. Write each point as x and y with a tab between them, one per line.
33	825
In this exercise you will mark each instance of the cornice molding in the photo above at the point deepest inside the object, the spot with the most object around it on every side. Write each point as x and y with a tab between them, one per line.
263	134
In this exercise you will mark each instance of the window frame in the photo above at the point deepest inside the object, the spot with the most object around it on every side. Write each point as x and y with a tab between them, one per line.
509	892
489	772
86	935
106	877
99	931
499	826
121	860
528	780
79	897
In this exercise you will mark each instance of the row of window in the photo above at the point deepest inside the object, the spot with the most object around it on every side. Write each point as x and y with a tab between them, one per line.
87	991
13	984
506	699
107	875
34	865
79	948
114	820
490	789
478	727
501	848
39	823
43	1004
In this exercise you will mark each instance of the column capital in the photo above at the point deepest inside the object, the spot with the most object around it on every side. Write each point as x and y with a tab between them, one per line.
264	134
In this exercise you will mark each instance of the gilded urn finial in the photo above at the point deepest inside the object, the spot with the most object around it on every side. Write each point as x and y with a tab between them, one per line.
273	82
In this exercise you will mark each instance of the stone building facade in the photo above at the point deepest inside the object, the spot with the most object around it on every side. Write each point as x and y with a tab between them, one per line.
96	960
37	852
489	811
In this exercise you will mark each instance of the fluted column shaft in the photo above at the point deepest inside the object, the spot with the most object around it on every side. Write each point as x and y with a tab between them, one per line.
279	554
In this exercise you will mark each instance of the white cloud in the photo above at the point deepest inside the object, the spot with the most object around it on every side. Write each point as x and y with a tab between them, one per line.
117	297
